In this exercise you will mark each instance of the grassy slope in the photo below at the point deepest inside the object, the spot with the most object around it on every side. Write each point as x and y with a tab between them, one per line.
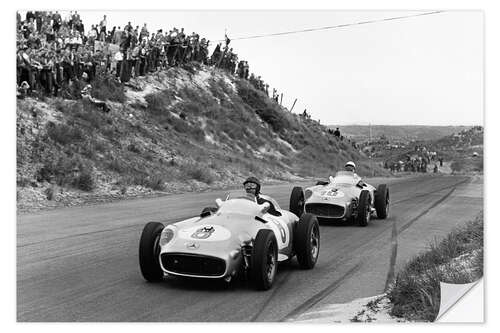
183	129
458	259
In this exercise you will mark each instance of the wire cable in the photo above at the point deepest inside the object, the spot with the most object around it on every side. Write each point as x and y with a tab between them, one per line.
332	27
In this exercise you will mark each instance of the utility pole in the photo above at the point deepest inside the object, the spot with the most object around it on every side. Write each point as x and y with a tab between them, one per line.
370	135
371	147
293	105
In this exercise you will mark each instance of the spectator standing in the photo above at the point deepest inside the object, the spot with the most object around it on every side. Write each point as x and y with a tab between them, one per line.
103	24
117	37
56	21
246	70
144	32
118	59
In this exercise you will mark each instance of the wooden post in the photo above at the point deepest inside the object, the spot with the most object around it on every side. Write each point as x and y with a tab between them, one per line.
293	105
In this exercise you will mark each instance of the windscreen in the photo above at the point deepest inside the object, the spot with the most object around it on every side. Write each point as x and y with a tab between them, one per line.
344	178
241	205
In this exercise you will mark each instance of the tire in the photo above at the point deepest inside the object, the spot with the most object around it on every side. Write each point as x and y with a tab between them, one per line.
382	201
306	241
364	211
297	201
207	211
264	260
149	252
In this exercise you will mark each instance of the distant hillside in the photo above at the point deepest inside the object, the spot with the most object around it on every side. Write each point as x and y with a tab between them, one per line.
462	150
183	129
404	133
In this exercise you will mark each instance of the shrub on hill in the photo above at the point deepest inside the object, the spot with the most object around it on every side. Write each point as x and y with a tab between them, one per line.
260	103
64	134
106	87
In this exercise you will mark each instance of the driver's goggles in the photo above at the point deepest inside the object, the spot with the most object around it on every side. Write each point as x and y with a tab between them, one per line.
250	186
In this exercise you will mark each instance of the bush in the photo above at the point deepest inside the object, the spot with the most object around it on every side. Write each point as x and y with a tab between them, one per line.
198	172
158	102
259	102
108	88
89	113
22	181
189	108
87	149
84	181
73	90
63	133
231	129
99	146
198	97
133	148
457	166
154	182
116	165
179	125
49	192
198	134
66	170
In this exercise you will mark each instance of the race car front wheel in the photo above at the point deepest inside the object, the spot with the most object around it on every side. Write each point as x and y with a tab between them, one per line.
264	259
149	252
306	241
297	201
382	201
364	209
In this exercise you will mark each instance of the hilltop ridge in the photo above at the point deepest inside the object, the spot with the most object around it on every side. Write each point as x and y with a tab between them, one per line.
182	129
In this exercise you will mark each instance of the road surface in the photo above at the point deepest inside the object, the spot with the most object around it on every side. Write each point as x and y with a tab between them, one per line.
81	263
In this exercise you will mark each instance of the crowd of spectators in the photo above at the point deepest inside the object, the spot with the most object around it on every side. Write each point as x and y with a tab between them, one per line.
53	51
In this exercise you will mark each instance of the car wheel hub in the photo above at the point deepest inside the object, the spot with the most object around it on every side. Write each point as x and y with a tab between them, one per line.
271	265
314	243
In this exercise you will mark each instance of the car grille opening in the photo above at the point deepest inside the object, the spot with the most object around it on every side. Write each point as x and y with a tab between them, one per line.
325	210
193	264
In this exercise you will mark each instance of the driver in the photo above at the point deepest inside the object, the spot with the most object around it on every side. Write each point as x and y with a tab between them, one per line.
252	187
350	166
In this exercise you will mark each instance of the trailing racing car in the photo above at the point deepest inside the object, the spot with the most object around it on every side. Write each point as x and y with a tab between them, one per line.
237	236
343	197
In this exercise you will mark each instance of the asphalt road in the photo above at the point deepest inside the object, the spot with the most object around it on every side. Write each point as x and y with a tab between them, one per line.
81	263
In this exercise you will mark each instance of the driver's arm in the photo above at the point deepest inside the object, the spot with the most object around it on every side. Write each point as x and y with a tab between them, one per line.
271	209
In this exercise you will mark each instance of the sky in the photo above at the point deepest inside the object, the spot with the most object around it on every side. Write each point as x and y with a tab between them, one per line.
425	70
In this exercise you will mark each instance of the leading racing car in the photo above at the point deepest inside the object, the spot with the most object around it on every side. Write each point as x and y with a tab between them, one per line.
237	236
344	197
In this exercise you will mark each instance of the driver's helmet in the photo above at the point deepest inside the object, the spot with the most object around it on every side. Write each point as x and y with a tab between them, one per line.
252	183
350	166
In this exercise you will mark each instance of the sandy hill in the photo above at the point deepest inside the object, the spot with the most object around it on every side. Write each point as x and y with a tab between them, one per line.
182	129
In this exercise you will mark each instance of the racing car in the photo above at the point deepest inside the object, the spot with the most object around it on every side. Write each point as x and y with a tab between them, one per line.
239	236
344	197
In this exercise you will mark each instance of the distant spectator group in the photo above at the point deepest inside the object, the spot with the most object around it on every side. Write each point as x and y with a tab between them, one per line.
53	51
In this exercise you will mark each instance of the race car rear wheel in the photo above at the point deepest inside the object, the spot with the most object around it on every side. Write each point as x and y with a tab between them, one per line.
364	209
382	201
149	252
306	241
297	201
264	259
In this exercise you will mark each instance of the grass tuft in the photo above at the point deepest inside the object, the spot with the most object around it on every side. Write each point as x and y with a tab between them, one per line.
458	258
